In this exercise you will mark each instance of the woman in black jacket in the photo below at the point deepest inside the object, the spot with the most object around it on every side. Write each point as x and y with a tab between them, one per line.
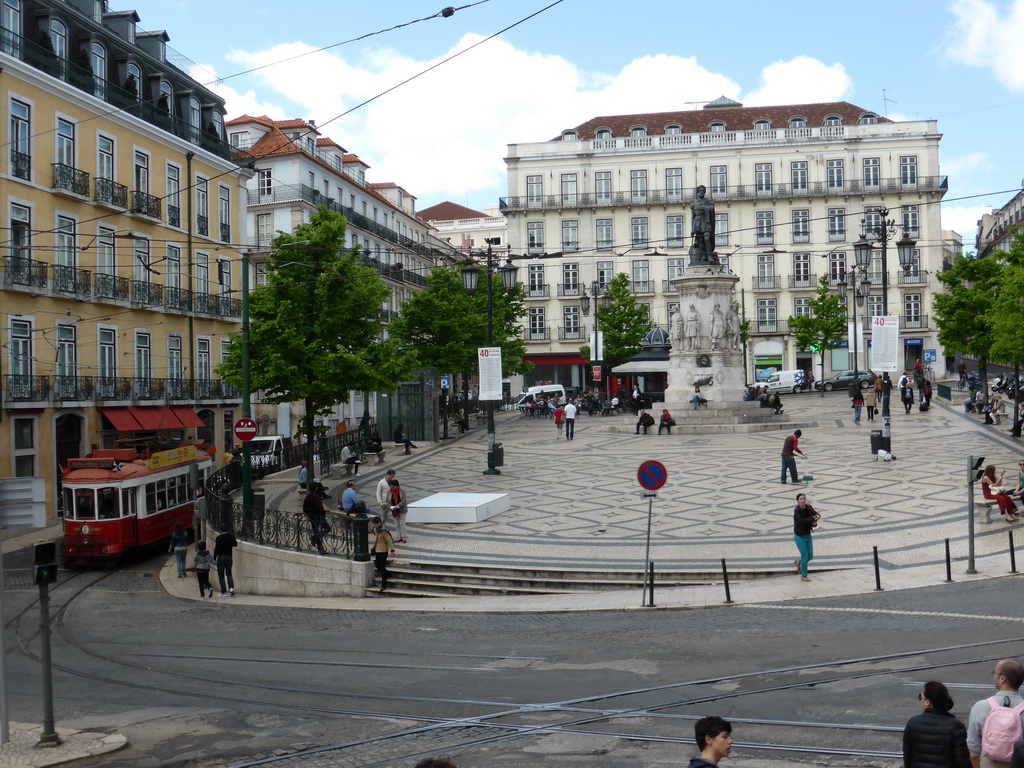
935	738
804	519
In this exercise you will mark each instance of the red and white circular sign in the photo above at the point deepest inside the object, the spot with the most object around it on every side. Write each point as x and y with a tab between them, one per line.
245	430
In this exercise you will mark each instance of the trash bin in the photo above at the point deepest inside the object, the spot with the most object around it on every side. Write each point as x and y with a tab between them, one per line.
499	455
876	441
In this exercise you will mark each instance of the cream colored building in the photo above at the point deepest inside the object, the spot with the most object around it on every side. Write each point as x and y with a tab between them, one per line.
791	186
997	229
467	229
122	203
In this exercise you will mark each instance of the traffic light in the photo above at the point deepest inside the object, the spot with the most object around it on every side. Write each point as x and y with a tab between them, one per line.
44	563
976	470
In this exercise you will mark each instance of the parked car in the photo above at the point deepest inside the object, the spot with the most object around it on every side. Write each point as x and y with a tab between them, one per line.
845	379
786	381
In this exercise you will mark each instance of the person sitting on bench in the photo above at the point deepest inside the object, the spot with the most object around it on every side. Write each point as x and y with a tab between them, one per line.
401	439
349	455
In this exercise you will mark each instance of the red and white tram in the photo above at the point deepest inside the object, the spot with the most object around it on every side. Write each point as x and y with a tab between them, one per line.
117	500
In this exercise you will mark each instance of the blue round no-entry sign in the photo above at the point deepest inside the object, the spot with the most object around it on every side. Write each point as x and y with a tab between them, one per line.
652	475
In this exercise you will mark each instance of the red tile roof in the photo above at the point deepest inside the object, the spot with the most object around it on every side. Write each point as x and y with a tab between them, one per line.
448	211
735	118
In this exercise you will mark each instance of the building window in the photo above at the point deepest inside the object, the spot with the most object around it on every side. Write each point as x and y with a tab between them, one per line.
638	230
797	122
763	178
133	83
603	133
641	276
21	152
872	172
10	27
204	365
721	229
912	306
674	183
798	175
65	142
605	273
603	234
106	264
767	315
535	280
21	243
638	186
107	362
65	237
24	446
766	270
202	276
872	222
765	222
908	171
603	187
718	180
571	321
265	183
264	228
142	271
568	181
717	127
59	39
834	171
868	119
173	195
833	120
674	231
911	220
836	268
801	270
673	129
875	306
538	326
141	172
166	100
98	59
570	236
21	354
202	206
143	356
534	191
570	279
172	269
801	226
836	224
637	132
195	116
224	276
175	365
224	213
569	135
535	236
802	307
104	158
676	268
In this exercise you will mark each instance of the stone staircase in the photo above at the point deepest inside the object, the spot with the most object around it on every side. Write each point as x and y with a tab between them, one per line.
425	579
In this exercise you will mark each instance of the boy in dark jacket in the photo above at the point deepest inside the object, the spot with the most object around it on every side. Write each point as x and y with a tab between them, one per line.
714	737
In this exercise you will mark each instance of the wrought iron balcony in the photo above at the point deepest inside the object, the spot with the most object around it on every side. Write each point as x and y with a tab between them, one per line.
202	225
177	298
913	277
803	281
109	192
111	286
766	282
26	388
21	270
801	237
145	292
203	302
72	280
148	389
765	238
225	233
837	236
146	204
70	179
173	215
913	322
113	388
537	334
537	291
569	289
571	334
73	388
21	165
767	326
642	286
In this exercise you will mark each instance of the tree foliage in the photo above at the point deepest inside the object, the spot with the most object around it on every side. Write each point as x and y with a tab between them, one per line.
963	311
1006	315
623	324
825	327
315	328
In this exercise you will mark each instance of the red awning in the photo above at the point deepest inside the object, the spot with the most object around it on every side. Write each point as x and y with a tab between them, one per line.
155	417
187	416
122	420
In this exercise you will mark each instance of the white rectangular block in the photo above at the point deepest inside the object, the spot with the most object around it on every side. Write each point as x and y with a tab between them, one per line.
458	507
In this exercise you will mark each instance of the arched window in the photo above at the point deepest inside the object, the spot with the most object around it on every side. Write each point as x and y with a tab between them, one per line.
218	125
797	122
98	58
59	38
868	119
638	131
569	135
133	82
833	120
603	133
673	129
166	100
717	127
10	27
195	116
762	125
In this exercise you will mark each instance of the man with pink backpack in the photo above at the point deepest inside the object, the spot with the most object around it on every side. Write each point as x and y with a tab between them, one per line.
997	722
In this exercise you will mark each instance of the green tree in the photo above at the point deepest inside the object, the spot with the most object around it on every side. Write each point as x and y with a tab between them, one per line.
1006	316
824	328
963	311
623	324
315	328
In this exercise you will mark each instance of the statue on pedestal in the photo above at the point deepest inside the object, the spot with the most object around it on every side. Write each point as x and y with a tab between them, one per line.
691	328
717	326
702	227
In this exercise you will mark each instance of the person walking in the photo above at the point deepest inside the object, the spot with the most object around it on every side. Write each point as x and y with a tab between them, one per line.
935	738
396	504
804	520
871	401
313	508
383	486
858	403
223	546
179	546
790	448
571	410
559	415
382	547
204	561
988	719
907	397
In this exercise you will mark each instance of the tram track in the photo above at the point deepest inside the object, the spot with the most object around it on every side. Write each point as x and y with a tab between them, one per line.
578	716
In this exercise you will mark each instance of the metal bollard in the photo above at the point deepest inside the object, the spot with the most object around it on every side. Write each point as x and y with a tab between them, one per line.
1013	555
725	580
650	585
361	537
878	575
949	565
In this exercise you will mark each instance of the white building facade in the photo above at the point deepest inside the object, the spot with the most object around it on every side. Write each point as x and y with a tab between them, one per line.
791	186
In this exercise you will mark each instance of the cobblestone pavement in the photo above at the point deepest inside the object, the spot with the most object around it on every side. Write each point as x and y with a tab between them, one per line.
576	504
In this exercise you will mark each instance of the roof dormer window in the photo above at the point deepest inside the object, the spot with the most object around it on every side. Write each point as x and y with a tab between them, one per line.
833	120
797	122
603	133
570	136
868	119
638	131
717	127
762	125
673	129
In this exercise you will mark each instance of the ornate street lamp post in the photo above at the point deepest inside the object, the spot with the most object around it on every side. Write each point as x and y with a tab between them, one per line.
599	292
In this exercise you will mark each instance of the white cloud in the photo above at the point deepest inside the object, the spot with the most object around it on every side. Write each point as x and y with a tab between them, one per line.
238	104
985	36
445	134
966	164
817	83
964	220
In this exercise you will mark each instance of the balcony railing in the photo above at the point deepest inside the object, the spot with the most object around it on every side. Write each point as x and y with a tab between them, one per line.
72	387
537	291
801	237
173	215
803	281
571	334
177	298
21	165
765	238
642	286
667	287
70	179
737	192
21	270
110	193
72	280
202	225
25	389
913	277
112	286
913	322
145	292
569	289
146	204
766	282
838	236
225	233
537	334
767	326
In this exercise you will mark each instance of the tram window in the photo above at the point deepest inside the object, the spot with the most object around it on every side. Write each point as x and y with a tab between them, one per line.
150	498
69	503
107	501
161	494
128	501
182	489
85	504
172	493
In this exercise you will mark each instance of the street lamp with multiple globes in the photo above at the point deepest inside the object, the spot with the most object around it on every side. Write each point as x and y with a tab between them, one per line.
471	281
883	232
859	291
600	292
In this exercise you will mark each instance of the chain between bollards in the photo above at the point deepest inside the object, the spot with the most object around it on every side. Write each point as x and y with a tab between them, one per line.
725	580
878	575
1013	555
949	564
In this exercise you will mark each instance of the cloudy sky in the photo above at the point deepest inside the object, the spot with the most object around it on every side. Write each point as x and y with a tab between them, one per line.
443	135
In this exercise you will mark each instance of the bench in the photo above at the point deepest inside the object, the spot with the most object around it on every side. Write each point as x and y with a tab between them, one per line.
985	505
379	454
348	468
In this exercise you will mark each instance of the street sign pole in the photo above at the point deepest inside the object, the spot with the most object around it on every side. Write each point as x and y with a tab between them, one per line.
647	554
651	475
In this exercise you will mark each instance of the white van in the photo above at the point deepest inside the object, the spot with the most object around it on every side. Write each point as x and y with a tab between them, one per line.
550	391
786	381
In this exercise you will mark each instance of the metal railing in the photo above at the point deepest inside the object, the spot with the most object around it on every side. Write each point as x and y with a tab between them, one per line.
70	179
110	192
173	215
25	271
803	281
67	279
537	291
26	388
111	286
225	233
202	225
146	204
21	165
766	282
